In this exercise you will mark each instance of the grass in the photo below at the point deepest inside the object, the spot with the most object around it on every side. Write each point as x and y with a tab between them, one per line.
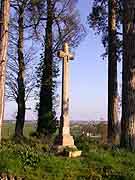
35	160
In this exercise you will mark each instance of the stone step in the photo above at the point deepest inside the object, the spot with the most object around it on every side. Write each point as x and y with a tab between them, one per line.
4	176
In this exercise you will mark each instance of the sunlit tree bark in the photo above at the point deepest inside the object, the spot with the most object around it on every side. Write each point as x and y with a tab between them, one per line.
128	86
112	74
4	21
105	19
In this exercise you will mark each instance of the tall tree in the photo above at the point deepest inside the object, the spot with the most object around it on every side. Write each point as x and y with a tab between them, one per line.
105	19
128	76
62	25
20	79
4	21
112	73
21	20
45	113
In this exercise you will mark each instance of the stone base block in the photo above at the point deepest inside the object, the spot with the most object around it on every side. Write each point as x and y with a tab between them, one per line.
74	154
71	152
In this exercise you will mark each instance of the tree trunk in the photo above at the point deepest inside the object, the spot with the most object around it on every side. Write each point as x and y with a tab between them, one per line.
112	75
128	86
21	87
4	21
45	112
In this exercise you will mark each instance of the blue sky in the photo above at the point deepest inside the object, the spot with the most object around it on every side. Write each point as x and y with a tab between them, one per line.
88	87
88	78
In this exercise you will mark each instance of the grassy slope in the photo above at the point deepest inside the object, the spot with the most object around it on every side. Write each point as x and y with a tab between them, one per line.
34	161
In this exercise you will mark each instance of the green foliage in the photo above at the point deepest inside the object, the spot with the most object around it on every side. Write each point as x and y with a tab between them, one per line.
48	126
29	158
98	21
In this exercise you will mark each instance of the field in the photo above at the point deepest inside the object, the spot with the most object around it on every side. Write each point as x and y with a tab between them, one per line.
35	159
8	129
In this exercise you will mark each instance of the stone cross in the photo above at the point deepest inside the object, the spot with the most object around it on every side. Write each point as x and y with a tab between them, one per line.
65	139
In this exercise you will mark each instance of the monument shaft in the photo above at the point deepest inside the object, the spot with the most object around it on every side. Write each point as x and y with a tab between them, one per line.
65	139
65	96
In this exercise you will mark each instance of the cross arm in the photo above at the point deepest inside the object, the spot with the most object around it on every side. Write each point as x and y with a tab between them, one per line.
65	53
61	54
71	57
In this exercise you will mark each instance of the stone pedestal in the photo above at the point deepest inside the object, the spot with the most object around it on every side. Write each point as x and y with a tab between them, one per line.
66	140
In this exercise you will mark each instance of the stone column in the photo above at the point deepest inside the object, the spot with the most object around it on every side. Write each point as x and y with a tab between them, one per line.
65	139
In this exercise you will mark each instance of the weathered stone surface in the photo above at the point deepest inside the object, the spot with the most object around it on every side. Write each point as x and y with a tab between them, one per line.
65	139
74	154
4	176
